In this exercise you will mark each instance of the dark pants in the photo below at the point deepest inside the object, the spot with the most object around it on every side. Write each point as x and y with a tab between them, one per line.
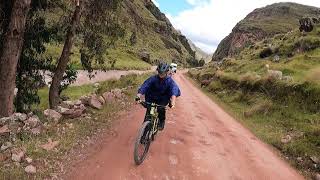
161	112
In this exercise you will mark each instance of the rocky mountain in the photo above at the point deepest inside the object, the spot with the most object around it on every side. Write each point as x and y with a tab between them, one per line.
151	34
263	23
200	54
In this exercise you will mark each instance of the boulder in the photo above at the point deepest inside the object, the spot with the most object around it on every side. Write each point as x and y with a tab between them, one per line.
6	146
275	74
67	104
52	115
19	117
315	159
30	169
102	100
17	155
32	122
94	102
4	130
108	96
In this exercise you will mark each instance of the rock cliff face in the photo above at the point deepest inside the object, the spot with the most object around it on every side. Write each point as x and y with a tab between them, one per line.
263	23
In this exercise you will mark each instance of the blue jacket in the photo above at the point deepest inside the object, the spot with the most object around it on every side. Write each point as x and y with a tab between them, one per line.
159	91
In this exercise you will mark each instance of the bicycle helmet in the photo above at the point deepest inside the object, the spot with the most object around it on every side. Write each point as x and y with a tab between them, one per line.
163	67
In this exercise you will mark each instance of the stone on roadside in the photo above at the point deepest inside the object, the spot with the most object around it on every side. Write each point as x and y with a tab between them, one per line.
17	155
67	104
102	100
315	159
108	96
95	103
6	146
286	139
4	130
32	122
30	169
29	160
19	117
52	115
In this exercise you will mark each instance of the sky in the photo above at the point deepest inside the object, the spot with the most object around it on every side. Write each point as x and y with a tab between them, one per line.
207	22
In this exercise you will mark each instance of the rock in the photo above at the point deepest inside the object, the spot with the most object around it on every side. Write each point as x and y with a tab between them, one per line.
205	83
102	100
52	115
15	127
30	169
6	146
3	157
77	103
108	96
286	139
317	176
29	160
67	104
4	130
299	159
64	111
75	113
19	116
17	155
85	100
32	122
276	58
315	159
287	78
94	102
36	131
117	93
50	145
4	121
275	74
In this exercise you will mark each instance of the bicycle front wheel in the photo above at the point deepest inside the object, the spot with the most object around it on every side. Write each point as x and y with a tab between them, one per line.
142	143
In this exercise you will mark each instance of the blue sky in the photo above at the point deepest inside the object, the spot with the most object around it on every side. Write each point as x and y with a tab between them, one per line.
173	7
207	22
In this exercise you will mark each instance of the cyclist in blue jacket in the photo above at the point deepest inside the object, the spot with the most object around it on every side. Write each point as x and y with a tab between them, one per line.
160	89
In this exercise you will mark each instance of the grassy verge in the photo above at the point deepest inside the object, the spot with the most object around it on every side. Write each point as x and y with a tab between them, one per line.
271	120
123	59
69	133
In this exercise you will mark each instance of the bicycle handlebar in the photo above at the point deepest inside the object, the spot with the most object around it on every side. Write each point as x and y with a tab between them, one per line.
145	104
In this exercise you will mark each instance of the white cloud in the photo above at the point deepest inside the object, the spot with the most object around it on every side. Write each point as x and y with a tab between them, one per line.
209	21
156	3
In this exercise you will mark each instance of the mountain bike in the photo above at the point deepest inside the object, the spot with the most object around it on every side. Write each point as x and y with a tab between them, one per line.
147	132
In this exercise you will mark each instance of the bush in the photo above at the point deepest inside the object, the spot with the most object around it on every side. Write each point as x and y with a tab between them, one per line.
308	43
215	86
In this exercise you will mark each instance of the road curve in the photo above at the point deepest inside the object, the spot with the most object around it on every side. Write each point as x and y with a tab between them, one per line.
200	141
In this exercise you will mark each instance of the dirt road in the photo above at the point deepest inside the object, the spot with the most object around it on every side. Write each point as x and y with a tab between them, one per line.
200	141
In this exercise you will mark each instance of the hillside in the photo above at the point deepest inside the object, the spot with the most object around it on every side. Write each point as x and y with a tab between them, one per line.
263	23
149	36
273	84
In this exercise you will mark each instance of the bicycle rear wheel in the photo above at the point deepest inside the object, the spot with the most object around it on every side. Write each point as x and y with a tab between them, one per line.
142	143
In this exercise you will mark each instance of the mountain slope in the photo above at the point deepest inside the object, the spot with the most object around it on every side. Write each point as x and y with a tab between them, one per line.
153	33
263	22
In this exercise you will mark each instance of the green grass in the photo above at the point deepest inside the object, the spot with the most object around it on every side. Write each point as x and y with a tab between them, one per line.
69	138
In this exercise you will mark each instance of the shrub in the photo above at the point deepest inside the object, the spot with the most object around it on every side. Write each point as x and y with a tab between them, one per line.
215	86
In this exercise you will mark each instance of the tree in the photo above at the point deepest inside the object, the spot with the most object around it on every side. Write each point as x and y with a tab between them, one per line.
54	96
99	30
12	42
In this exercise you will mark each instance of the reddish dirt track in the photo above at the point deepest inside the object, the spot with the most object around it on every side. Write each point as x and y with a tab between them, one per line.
200	141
